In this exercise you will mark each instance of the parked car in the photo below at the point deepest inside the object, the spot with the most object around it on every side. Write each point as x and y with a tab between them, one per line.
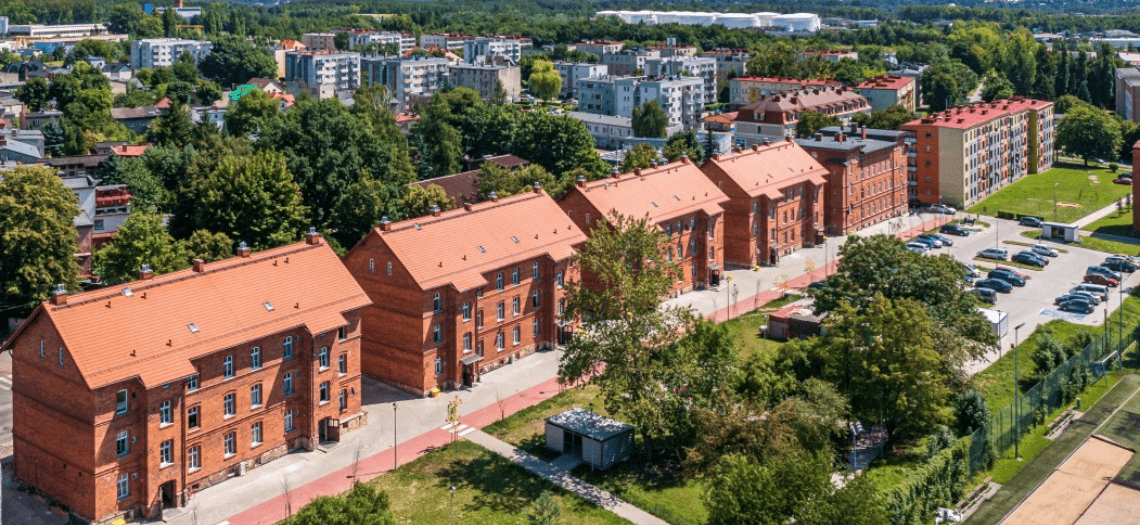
1127	181
1007	276
933	241
946	241
995	284
972	270
1104	271
1119	265
954	229
1101	279
1041	249
986	294
944	209
1100	291
1013	271
1027	257
1076	305
1032	222
994	253
1084	296
918	247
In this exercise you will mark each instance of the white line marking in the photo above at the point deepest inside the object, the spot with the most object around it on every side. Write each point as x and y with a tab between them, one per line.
447	426
468	431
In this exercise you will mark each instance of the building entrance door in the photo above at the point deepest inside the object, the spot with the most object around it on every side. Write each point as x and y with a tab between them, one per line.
168	497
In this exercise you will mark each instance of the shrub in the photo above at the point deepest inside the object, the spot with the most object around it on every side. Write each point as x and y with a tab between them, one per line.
1112	167
970	412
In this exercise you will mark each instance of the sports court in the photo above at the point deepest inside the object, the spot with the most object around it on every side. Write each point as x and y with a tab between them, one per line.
1080	491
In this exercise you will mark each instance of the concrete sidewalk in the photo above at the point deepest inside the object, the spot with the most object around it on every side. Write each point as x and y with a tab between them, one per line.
1095	216
563	479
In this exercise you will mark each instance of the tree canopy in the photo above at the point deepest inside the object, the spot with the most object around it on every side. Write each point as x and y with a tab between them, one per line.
649	120
1089	133
232	61
545	82
141	240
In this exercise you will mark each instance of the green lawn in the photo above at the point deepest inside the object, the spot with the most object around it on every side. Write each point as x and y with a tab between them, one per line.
1031	244
1096	244
524	429
1115	223
1033	195
1124	428
489	490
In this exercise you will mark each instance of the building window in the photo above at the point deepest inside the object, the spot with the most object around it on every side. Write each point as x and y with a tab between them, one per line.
515	277
499	281
41	349
231	444
342	333
534	271
166	413
499	341
192	420
343	401
255	435
166	453
230	405
123	488
515	306
371	265
500	310
194	459
517	335
289	347
558	279
255	396
467	342
228	367
436	304
121	402
324	390
561	306
323	357
479	319
692	223
389	269
289	421
61	356
437	334
438	366
255	358
466	311
123	443
535	326
288	383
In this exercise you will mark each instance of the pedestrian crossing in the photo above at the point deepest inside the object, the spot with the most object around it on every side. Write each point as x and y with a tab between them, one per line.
456	428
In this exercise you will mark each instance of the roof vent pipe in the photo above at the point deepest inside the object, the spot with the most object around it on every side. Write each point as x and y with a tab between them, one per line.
243	249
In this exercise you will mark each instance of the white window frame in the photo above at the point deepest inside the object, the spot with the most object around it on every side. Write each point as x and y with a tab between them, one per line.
323	358
123	405
230	444
123	487
255	358
166	413
166	453
194	459
229	405
123	443
287	383
255	437
255	396
289	421
288	347
228	367
516	335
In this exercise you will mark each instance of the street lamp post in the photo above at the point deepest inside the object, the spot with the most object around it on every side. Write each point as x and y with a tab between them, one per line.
856	429
1016	394
1055	201
395	440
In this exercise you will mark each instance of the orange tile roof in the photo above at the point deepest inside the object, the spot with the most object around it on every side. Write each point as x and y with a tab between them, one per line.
460	187
113	337
766	170
289	99
790	80
128	150
725	118
970	115
660	193
458	246
886	82
292	44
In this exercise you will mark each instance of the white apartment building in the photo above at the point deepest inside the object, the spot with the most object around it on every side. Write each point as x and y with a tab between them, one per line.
405	41
162	52
600	47
681	98
408	79
629	62
702	67
572	72
489	47
448	41
321	72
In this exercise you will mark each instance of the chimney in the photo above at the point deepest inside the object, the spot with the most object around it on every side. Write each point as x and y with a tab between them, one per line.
59	295
145	273
582	179
243	250
199	266
312	237
467	206
854	126
537	188
493	196
684	158
434	210
637	171
789	139
841	137
818	137
615	173
755	147
863	132
385	224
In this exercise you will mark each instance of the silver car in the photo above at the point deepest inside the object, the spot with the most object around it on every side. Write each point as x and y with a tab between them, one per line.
1041	249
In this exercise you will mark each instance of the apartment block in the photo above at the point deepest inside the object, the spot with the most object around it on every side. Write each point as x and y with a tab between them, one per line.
600	47
677	66
163	52
775	202
462	292
681	98
404	42
774	117
483	78
319	41
128	399
448	41
1128	93
678	199
729	61
490	46
629	61
964	154
571	72
749	90
885	91
408	79
323	72
866	180
672	49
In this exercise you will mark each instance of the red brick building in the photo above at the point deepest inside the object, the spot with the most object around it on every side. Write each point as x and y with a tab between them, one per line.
676	197
866	181
775	201
129	399
461	292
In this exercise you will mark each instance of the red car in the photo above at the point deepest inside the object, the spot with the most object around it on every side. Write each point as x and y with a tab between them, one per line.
1123	180
1096	278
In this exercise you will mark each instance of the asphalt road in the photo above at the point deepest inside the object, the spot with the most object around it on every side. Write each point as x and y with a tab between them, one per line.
1033	303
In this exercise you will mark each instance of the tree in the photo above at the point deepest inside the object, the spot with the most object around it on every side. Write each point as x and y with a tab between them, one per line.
53	138
857	503
134	97
233	61
172	128
247	116
545	82
419	200
773	493
147	191
37	238
340	40
649	120
996	87
773	60
684	142
641	156
209	246
812	121
208	92
34	93
1018	61
947	84
545	511
1089	133
848	72
892	117
141	240
440	147
248	198
363	505
970	412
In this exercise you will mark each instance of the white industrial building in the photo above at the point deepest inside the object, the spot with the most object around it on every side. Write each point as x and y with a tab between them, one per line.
796	23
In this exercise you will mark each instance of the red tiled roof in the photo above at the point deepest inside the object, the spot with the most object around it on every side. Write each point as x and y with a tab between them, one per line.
459	246
791	80
460	187
113	337
506	161
292	44
968	116
261	83
164	104
726	117
289	99
766	170
661	193
886	82
406	117
128	150
816	99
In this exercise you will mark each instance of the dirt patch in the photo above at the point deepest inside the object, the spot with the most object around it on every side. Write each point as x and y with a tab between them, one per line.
1068	205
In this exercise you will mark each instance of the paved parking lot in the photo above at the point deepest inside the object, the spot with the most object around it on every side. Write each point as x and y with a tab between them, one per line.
1033	303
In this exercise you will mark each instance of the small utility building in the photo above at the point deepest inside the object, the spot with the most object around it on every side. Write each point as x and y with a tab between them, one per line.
1056	230
595	439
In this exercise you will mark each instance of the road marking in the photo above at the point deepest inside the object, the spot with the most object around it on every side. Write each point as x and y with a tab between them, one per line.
447	426
5	382
458	428
468	431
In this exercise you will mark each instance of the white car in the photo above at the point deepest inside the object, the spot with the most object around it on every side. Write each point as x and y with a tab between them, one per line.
1041	249
917	247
